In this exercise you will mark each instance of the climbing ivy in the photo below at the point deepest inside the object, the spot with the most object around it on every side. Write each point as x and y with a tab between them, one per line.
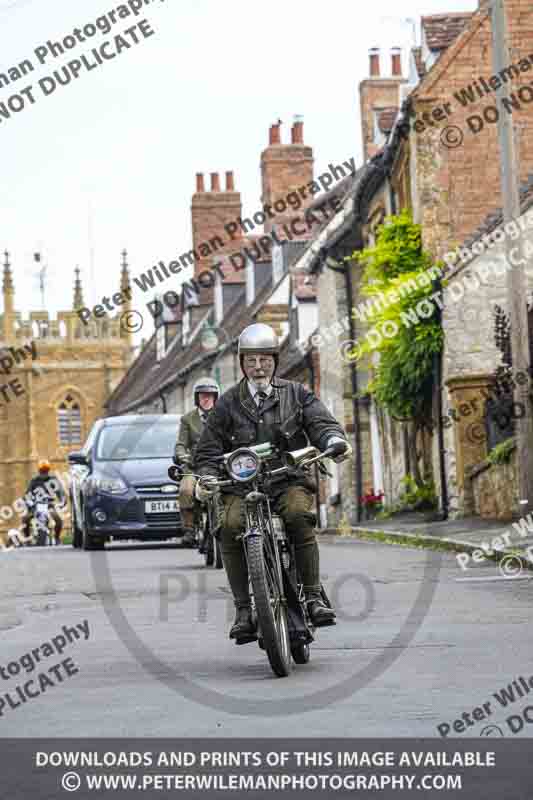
403	376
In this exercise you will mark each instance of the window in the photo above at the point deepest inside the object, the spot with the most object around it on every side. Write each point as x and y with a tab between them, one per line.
69	421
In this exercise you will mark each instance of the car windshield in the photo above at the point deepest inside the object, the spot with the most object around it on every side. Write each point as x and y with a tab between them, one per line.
125	442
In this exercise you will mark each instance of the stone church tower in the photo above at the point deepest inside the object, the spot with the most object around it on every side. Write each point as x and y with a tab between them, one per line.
55	376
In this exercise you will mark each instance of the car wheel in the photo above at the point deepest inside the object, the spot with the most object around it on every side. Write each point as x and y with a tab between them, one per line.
77	535
89	543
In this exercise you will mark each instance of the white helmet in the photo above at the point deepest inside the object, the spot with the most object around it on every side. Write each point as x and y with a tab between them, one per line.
206	385
258	338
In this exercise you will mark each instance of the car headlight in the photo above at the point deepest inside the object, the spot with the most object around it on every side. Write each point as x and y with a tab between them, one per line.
243	465
107	485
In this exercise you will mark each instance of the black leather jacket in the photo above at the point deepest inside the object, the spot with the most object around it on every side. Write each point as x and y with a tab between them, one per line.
292	417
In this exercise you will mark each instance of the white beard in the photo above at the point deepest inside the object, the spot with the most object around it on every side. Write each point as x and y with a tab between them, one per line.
261	384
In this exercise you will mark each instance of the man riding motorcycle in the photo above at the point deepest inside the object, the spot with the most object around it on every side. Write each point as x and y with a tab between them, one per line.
205	394
285	413
44	487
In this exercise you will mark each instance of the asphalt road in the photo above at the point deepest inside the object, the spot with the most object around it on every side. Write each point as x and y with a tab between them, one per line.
414	647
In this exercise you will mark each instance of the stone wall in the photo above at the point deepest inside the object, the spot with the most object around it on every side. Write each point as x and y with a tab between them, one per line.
494	489
471	357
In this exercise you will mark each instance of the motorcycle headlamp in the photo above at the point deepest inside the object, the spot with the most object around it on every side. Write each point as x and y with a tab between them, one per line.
243	465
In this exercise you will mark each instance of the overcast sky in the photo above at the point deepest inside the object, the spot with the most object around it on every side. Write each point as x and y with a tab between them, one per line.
127	138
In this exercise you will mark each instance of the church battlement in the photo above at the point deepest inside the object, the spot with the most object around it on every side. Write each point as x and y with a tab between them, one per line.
65	328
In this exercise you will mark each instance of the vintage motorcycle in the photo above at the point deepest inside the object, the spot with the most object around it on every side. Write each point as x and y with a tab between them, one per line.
284	628
43	532
206	526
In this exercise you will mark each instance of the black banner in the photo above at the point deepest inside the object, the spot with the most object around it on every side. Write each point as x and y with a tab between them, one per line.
47	769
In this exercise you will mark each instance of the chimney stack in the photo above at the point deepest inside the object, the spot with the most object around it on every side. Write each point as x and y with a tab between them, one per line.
297	131
215	182
396	61
275	134
200	182
374	62
230	183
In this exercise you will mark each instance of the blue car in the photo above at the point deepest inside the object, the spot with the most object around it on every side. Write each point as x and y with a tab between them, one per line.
119	482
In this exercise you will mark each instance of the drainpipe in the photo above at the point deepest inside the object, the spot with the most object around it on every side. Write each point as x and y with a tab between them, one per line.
358	471
437	286
355	401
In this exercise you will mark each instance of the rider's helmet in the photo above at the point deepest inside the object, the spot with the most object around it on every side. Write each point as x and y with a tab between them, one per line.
256	339
206	385
43	466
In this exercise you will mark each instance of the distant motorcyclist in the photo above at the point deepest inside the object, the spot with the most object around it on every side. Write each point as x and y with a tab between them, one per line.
205	394
44	487
285	413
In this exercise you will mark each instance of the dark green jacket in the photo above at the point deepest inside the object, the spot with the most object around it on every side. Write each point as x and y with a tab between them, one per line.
191	427
291	418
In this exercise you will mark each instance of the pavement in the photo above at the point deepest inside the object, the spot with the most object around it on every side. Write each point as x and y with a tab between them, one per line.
495	539
418	643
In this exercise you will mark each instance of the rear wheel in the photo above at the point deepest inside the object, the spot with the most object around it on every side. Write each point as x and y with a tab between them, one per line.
209	550
271	613
218	553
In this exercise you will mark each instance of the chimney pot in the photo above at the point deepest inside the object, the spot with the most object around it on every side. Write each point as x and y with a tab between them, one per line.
396	61
275	134
374	62
215	182
297	132
200	182
230	183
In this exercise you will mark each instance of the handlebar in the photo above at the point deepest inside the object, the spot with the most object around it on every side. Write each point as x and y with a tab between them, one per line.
208	480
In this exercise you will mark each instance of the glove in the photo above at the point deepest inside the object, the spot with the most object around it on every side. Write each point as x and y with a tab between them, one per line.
204	492
337	442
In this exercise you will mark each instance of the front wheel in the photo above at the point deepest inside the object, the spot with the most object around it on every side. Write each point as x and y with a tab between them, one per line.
42	537
271	612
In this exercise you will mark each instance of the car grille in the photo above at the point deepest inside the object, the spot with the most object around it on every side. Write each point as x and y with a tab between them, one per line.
169	519
131	512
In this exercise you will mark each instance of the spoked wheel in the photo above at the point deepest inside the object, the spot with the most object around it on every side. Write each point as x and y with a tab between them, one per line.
42	537
271	613
218	553
209	551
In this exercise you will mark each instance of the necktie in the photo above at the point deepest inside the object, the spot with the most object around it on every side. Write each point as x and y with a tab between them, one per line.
262	397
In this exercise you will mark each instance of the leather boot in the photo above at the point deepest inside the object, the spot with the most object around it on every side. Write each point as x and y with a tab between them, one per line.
320	614
243	629
189	538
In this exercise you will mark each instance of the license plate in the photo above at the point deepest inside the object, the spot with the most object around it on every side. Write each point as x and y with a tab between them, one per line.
160	506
